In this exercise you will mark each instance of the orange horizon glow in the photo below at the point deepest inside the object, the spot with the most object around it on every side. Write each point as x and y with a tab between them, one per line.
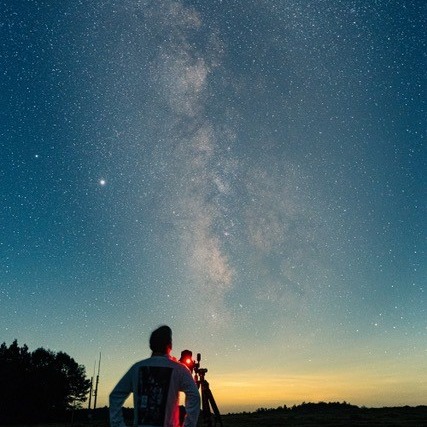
248	391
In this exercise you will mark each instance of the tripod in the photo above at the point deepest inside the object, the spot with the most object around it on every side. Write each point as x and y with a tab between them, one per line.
208	400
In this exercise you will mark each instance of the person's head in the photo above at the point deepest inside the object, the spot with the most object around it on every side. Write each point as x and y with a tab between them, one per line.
185	355
187	359
161	340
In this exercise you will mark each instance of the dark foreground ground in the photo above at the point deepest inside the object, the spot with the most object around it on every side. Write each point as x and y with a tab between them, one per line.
305	415
397	417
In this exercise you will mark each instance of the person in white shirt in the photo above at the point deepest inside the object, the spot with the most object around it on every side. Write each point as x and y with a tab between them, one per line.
155	383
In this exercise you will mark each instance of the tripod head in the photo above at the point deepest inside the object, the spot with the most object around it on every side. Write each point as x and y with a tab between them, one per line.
187	359
193	365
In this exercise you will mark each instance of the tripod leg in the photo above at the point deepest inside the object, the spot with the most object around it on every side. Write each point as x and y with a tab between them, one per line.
206	411
211	400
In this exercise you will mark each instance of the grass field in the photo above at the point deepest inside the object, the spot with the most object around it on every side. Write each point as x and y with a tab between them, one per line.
312	416
396	417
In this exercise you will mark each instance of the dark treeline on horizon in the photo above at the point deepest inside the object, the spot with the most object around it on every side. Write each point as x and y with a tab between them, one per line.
39	386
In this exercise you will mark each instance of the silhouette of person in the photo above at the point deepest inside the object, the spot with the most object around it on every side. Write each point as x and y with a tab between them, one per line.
155	383
187	360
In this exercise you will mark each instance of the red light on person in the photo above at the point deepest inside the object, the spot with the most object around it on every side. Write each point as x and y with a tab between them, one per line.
186	359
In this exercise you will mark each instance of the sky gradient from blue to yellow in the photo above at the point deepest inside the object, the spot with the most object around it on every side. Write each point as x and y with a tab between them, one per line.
251	173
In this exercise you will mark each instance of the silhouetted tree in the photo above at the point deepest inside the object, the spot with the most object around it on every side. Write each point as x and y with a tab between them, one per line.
15	363
39	386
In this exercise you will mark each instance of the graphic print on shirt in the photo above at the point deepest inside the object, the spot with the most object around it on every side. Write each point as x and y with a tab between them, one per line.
153	389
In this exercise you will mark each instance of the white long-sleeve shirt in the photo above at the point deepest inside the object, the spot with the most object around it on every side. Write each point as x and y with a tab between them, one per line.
155	383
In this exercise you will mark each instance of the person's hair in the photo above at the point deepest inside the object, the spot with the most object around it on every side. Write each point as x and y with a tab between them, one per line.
161	339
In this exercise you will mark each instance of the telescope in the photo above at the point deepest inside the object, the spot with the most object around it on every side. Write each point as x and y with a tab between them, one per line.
208	402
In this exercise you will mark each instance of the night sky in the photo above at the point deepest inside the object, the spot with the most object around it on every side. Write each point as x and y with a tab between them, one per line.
249	172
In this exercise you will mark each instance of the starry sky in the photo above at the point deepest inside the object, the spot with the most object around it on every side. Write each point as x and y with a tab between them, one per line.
249	172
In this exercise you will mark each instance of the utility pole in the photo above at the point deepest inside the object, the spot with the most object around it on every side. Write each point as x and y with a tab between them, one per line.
91	386
97	382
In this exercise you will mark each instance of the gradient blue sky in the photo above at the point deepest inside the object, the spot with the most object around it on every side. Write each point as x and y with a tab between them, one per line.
251	173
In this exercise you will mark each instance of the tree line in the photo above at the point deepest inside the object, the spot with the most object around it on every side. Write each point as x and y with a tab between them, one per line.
39	386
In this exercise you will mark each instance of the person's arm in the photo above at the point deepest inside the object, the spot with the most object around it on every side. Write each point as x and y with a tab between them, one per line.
192	400
117	397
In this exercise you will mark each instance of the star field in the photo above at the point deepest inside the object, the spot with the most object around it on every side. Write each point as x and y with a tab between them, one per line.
250	173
